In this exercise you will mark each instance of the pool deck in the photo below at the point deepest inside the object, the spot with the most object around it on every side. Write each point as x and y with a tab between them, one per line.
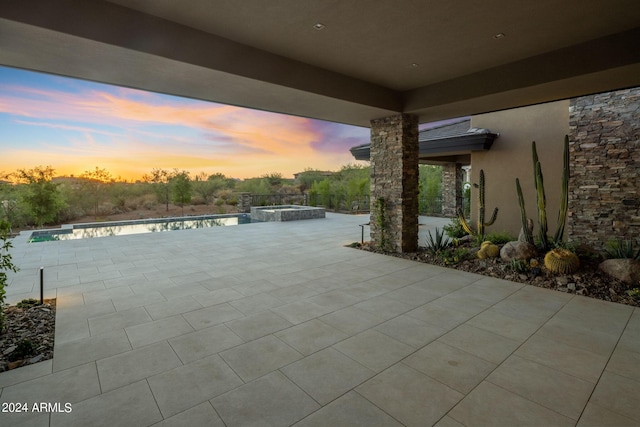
279	324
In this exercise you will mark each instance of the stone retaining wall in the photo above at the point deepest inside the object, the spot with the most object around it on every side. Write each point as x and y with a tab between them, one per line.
604	187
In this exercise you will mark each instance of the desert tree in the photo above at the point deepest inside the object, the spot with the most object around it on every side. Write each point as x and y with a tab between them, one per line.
96	183
41	195
161	180
207	186
181	189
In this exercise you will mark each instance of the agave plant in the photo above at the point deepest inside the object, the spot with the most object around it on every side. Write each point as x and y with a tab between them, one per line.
439	243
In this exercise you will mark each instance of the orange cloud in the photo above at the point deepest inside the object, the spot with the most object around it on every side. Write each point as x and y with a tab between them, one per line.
126	131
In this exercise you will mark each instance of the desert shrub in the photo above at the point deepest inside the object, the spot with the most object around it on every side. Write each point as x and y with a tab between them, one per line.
6	264
454	255
149	202
28	303
233	200
455	229
519	265
198	201
499	238
23	349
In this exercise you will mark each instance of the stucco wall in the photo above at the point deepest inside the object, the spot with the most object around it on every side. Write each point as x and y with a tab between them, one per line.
510	158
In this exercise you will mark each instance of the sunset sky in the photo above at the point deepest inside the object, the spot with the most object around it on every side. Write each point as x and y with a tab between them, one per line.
75	126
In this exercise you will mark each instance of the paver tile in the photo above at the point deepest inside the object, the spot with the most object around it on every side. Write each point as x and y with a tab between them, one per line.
597	416
211	316
130	405
489	404
259	357
258	325
409	396
349	410
618	394
272	400
327	374
69	386
118	320
89	349
548	387
557	355
129	367
204	342
200	415
180	388
157	330
374	350
351	320
486	345
311	336
300	311
410	330
451	366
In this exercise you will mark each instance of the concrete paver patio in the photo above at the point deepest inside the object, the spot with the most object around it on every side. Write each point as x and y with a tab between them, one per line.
280	324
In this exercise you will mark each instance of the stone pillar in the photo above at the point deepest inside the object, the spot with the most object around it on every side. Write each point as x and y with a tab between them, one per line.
244	202
394	183
452	179
604	151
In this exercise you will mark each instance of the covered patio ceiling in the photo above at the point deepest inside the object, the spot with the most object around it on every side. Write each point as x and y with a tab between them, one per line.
335	60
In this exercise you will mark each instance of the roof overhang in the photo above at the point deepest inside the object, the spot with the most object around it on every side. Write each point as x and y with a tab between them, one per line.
360	67
453	149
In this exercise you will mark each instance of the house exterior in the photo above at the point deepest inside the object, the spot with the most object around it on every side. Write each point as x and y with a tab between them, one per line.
604	157
604	153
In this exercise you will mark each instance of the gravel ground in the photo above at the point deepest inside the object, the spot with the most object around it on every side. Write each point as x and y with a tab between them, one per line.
28	335
588	281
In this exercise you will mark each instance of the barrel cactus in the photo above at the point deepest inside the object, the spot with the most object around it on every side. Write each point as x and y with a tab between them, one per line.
488	250
561	261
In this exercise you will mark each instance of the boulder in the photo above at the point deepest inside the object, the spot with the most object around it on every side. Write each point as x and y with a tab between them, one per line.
521	237
518	250
624	269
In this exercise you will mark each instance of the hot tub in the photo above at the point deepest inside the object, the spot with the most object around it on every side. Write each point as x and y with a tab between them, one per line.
286	213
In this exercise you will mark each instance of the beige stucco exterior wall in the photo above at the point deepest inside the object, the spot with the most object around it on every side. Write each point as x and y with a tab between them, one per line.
510	158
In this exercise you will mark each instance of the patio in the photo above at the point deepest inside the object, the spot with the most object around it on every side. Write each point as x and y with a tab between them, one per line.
280	324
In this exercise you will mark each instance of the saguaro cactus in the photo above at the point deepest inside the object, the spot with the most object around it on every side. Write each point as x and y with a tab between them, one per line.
481	213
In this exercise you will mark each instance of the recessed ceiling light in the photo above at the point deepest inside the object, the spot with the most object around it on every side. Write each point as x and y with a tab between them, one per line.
318	26
499	36
415	65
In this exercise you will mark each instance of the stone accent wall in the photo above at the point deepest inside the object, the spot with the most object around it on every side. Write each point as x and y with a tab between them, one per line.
451	189
604	187
394	182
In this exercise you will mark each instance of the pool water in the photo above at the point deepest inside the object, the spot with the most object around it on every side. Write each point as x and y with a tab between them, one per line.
120	228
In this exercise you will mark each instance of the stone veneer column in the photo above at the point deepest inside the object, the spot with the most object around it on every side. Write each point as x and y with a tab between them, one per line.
604	186
394	182
244	202
451	189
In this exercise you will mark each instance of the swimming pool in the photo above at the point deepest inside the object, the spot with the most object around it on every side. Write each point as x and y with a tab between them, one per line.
120	228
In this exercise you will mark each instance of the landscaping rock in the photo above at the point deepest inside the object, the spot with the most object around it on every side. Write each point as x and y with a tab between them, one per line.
35	325
625	270
521	235
518	250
